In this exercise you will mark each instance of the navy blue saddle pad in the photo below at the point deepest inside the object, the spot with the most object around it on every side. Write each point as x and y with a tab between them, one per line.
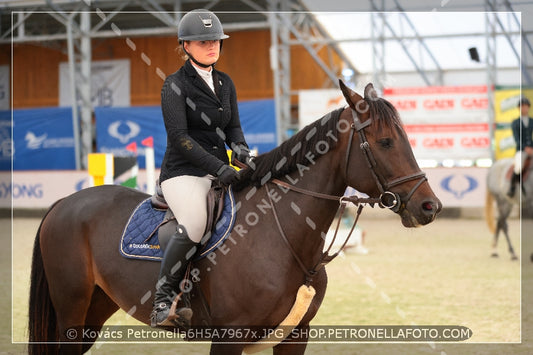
140	237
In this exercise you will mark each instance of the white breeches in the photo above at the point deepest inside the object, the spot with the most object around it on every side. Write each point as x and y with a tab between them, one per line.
519	160
187	198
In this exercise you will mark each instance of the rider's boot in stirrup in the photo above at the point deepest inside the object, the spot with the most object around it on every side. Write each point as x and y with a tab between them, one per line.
175	260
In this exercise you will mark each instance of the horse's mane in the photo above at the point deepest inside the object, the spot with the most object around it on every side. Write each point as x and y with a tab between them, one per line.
319	134
285	159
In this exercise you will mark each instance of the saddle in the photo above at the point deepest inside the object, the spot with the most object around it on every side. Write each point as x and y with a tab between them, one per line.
215	203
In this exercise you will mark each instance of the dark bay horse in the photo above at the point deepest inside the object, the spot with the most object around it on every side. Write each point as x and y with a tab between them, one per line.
79	279
497	187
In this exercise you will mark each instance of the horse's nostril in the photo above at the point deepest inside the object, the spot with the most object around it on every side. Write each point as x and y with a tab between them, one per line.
427	206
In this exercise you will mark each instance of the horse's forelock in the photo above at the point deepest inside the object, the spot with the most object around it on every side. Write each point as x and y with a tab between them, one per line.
384	113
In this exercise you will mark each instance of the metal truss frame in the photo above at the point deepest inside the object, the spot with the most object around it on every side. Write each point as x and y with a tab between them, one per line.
290	23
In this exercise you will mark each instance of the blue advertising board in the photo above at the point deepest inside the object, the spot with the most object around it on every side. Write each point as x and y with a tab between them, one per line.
117	127
43	139
5	140
258	121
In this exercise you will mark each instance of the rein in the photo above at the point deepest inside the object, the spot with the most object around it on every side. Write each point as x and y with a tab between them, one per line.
387	199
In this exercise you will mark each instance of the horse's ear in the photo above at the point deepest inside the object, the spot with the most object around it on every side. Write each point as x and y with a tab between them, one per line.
352	98
370	92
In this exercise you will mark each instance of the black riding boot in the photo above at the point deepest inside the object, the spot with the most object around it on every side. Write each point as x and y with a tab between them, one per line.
175	260
515	179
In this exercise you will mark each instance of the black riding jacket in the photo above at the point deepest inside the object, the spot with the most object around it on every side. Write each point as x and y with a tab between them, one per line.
524	136
198	123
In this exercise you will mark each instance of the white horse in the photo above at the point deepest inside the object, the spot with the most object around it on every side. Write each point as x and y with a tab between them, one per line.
497	187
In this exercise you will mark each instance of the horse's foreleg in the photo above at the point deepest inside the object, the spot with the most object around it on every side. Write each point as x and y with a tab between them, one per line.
295	343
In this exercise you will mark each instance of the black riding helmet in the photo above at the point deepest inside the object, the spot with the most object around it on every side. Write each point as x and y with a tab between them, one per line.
200	25
524	101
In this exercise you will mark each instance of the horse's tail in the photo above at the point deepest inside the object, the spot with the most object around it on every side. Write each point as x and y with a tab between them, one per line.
489	211
42	325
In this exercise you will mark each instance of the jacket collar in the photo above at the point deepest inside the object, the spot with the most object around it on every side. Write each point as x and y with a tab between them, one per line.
200	83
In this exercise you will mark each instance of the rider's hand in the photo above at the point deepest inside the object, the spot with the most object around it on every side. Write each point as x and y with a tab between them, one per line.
227	175
241	153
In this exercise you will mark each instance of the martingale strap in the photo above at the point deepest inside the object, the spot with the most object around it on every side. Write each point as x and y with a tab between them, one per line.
325	257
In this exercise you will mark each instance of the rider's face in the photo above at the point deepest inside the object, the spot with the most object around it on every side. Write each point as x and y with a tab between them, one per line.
206	52
524	109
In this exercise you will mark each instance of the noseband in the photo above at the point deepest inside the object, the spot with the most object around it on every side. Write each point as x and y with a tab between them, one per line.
387	198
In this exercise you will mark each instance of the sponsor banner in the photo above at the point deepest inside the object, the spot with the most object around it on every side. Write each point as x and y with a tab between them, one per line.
110	83
4	88
5	140
118	127
442	122
459	187
40	189
455	187
449	141
440	104
258	121
505	111
43	139
313	104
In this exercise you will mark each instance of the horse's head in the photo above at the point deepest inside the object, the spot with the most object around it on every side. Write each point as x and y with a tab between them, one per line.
374	138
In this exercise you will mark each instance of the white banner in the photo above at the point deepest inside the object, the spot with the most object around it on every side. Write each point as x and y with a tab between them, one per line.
110	83
313	104
40	189
459	187
4	87
455	187
444	122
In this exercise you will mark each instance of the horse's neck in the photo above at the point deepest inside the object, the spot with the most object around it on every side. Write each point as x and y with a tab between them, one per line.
310	217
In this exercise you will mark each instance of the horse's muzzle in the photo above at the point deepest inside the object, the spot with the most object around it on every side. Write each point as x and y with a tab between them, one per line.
423	214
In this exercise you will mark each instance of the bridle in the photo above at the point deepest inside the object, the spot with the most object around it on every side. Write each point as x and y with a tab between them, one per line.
387	198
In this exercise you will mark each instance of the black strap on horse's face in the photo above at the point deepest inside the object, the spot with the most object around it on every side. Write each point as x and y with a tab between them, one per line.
388	199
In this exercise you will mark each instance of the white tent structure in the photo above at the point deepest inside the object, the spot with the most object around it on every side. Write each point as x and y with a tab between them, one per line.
388	42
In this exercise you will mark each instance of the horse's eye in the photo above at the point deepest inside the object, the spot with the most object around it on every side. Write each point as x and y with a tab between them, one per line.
385	143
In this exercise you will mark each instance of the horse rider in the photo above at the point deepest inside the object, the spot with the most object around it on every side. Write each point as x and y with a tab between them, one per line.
523	135
199	105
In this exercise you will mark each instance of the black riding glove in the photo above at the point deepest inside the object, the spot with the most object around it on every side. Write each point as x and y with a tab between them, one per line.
227	175
240	152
